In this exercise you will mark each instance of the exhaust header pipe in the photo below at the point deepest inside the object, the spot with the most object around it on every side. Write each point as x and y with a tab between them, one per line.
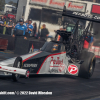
14	70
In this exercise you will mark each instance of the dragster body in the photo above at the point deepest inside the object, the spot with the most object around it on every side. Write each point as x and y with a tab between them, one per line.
55	57
42	62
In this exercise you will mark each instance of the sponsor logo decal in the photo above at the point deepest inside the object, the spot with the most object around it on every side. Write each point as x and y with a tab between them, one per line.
61	67
72	69
30	65
53	2
75	6
55	63
83	15
70	5
11	16
86	15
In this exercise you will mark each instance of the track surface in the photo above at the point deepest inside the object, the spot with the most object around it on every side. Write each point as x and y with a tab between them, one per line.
62	87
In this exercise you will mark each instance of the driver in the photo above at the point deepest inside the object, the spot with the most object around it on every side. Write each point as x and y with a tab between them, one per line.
55	48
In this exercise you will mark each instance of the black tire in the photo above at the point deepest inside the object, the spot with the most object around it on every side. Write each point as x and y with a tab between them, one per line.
18	60
87	67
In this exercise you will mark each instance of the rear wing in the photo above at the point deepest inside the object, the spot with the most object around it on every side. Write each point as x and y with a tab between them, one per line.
80	15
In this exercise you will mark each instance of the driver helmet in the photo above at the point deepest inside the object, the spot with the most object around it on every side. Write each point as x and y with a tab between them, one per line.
55	47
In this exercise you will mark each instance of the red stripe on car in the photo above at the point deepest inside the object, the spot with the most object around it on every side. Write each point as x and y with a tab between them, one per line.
30	57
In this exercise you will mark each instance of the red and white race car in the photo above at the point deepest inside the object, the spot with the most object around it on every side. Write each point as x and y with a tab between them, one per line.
54	58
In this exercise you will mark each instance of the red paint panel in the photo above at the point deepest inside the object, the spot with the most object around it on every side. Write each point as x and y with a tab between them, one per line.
96	9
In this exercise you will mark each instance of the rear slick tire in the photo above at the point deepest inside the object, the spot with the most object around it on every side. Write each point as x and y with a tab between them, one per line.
87	67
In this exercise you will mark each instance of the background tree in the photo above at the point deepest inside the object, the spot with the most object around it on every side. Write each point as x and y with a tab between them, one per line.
12	3
2	3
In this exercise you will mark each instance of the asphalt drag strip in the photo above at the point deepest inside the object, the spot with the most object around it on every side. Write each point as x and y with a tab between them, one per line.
63	87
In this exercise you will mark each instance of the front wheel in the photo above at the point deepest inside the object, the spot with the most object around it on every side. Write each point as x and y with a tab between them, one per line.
17	64
87	67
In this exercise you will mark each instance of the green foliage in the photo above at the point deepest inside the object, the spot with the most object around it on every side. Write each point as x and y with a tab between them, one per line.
12	3
2	3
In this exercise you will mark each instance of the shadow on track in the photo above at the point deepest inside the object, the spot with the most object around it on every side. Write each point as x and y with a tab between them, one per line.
40	76
37	77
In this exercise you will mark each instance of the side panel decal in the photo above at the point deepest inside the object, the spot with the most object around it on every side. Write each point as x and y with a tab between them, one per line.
46	59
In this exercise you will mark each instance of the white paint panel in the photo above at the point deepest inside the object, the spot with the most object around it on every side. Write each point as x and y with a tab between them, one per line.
46	66
11	61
